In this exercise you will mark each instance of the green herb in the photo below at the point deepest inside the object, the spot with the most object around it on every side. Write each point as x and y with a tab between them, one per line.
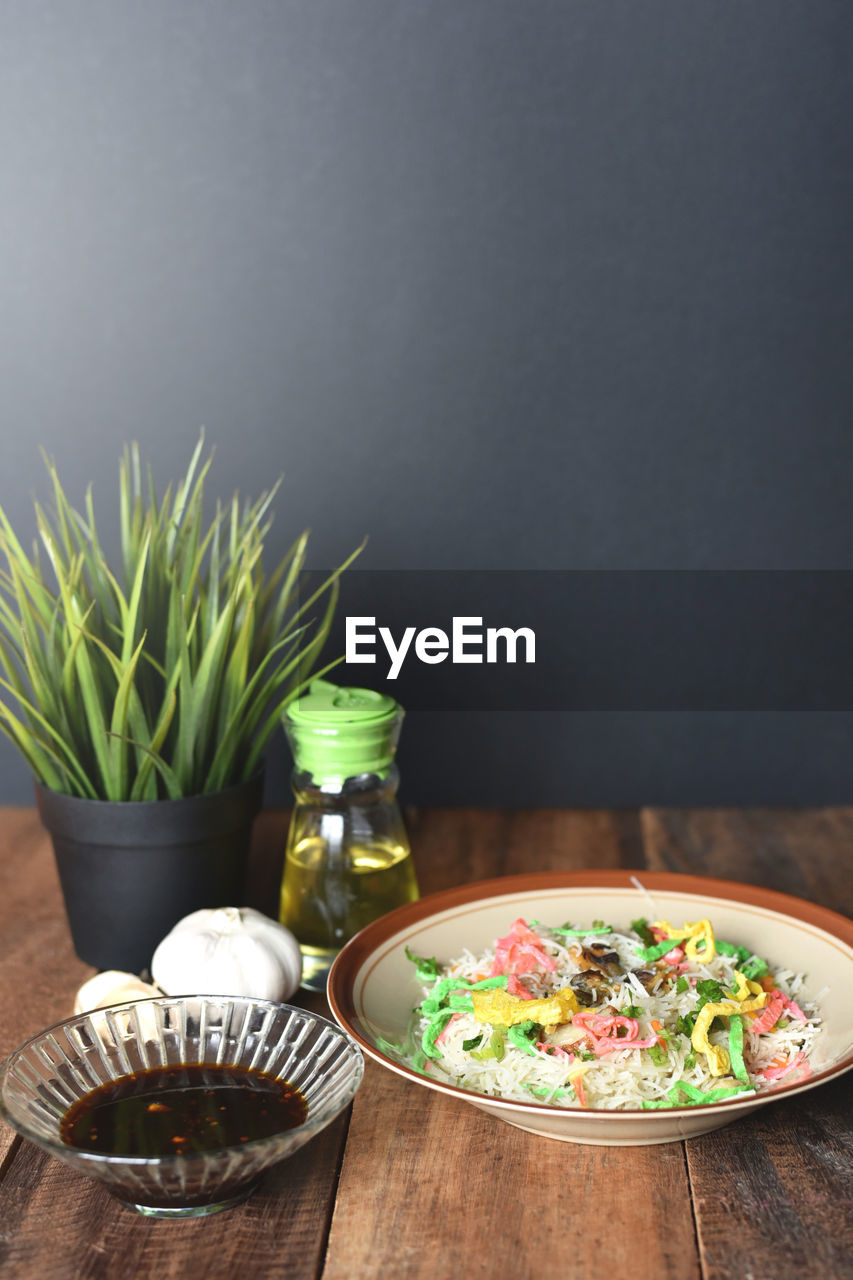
685	1023
520	1035
755	968
568	932
432	1031
657	1055
696	1097
659	949
736	1049
682	984
426	970
441	993
388	1046
641	927
632	1011
730	949
586	1055
496	1048
164	675
472	1043
709	991
542	1091
782	1024
690	1062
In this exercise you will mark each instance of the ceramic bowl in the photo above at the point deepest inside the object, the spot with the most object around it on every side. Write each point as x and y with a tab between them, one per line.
372	987
42	1078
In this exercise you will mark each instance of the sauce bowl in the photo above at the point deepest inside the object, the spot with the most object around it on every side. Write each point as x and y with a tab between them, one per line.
42	1079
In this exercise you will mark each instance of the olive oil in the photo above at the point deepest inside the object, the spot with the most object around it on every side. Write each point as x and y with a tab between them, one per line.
347	859
182	1109
329	893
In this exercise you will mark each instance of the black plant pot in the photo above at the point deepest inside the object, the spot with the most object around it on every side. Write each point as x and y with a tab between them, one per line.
130	870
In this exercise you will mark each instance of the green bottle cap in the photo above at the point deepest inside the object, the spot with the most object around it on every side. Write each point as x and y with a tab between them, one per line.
338	732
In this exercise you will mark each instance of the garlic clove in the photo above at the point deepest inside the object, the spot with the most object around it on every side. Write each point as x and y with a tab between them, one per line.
112	987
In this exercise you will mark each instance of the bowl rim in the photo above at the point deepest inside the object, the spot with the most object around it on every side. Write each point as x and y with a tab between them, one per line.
360	949
64	1149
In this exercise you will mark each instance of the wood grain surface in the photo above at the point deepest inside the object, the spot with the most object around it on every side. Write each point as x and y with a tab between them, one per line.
414	1183
472	1193
776	1190
473	1196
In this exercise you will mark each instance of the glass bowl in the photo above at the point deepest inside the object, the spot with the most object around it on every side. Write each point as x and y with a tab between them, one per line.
41	1080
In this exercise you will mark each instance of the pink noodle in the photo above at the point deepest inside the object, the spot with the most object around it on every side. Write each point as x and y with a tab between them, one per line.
516	988
793	1008
769	1015
450	1021
779	1073
552	1050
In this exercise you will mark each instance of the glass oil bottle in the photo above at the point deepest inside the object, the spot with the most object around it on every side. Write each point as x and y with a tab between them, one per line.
347	859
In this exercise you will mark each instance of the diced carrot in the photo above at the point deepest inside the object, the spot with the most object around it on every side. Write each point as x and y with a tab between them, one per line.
767	983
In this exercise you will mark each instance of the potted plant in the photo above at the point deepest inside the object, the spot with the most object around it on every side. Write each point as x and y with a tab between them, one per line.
143	696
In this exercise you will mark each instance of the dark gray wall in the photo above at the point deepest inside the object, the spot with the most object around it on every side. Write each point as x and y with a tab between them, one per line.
553	285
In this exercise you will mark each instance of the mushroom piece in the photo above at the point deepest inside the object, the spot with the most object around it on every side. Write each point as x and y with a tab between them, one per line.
646	977
602	957
590	987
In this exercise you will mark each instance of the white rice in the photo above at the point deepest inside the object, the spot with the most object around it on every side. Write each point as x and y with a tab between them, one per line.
624	1078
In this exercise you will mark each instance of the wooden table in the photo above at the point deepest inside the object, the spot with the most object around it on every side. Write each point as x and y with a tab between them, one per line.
415	1184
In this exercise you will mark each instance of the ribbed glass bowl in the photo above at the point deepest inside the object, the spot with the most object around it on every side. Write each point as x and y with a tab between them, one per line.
41	1080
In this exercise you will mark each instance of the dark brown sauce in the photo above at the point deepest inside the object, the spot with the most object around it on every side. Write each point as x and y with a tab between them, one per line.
182	1109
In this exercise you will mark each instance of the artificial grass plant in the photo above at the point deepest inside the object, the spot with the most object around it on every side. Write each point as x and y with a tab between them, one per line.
164	677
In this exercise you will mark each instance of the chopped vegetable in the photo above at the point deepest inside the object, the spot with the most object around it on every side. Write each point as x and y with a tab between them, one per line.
695	1097
425	970
740	954
580	933
739	1071
755	967
641	927
709	989
432	1031
519	1035
657	950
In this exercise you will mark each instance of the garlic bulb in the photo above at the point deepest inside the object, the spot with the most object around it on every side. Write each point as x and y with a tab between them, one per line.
232	951
111	987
